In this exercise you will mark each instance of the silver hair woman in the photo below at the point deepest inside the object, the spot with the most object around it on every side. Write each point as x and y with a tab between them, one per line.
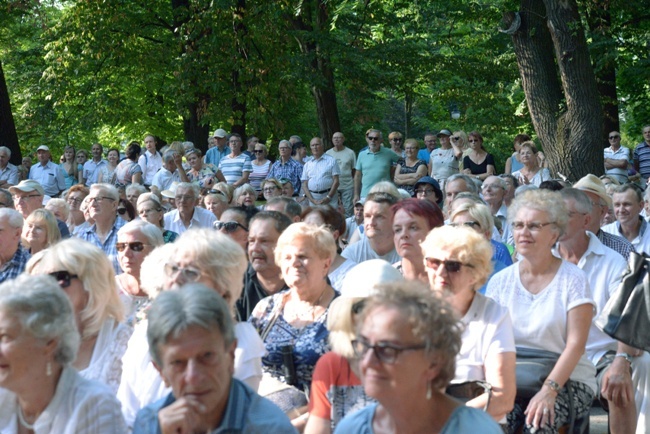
43	392
244	195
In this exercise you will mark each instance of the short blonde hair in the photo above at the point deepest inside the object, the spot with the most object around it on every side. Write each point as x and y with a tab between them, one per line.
95	271
43	216
385	187
466	245
152	280
322	239
226	189
479	212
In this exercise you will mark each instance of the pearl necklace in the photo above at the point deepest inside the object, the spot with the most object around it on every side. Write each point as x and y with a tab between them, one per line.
24	422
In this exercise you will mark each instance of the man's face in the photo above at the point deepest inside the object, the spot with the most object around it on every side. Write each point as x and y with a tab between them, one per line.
262	239
9	239
26	202
444	140
577	223
646	134
374	141
614	139
171	165
220	142
376	219
287	189
4	159
185	200
598	210
43	156
101	206
150	144
285	150
492	189
452	189
198	365
338	139
627	207
430	142
358	213
235	144
316	148
96	150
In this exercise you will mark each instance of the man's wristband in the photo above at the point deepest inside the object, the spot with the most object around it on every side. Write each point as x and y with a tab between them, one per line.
625	356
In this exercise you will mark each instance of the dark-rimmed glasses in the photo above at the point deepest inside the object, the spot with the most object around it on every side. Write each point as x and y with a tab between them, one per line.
383	351
229	227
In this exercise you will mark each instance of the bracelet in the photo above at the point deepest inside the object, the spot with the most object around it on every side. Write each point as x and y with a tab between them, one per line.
553	385
328	196
625	356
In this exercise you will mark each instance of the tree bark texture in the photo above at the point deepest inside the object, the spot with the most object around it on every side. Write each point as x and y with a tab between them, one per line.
560	87
8	135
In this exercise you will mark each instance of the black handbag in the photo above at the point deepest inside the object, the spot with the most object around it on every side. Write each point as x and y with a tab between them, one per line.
626	316
469	390
532	370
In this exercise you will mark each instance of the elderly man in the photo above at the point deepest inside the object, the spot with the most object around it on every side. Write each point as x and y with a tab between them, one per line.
346	159
429	146
628	203
286	206
286	167
378	242
150	161
263	277
46	173
456	184
622	374
192	344
220	149
8	172
28	196
617	158
103	200
169	172
320	176
373	165
94	166
187	213
13	256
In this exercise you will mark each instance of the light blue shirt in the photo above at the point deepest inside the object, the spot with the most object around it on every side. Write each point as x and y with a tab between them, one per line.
50	176
214	155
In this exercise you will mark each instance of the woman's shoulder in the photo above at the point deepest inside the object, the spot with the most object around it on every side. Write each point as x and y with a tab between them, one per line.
359	422
465	420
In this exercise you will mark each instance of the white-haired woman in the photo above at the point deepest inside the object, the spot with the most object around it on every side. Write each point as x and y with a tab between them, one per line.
244	195
40	231
200	255
86	275
40	391
150	209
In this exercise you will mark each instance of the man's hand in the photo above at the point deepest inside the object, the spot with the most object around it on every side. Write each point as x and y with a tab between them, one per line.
181	417
617	383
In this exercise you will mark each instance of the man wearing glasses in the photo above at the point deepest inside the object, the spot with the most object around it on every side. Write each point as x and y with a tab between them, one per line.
374	164
617	158
187	214
286	167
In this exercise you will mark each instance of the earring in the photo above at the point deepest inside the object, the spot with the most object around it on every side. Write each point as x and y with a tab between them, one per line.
48	369
429	390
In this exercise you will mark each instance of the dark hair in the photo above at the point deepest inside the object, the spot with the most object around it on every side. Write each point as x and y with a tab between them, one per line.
296	146
247	211
129	208
280	221
552	185
381	197
421	208
132	151
477	135
114	149
521	138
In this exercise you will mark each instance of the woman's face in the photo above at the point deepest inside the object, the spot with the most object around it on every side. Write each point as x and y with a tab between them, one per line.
150	212
411	150
194	161
113	157
247	198
526	155
409	231
35	233
260	152
408	376
474	143
301	266
131	259
22	356
240	235
446	274
81	157
270	191
533	231
68	154
217	206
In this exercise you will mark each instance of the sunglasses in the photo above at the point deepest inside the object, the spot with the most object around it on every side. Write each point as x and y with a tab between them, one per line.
373	138
259	151
121	211
136	246
63	277
455	139
614	137
229	227
450	266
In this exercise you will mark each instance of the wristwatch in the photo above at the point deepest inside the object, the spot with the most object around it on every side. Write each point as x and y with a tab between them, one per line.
626	356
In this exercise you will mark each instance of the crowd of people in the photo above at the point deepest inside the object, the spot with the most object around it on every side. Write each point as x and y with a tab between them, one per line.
390	290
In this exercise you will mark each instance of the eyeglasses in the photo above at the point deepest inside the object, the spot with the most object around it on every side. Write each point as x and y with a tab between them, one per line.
468	224
425	191
270	189
384	352
532	226
473	141
19	198
74	200
373	138
258	151
450	266
455	139
63	277
490	186
229	227
136	246
184	198
121	211
99	199
189	274
614	137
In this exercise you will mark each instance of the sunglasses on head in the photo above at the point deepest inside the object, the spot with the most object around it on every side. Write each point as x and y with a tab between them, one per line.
450	266
136	246
229	227
63	277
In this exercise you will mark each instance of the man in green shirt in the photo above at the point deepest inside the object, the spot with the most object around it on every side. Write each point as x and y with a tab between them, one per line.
374	164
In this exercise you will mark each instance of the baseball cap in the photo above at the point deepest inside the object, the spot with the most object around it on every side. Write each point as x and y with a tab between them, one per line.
444	132
43	148
220	133
26	186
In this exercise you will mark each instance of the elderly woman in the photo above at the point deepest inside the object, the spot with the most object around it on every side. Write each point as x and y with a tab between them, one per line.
135	240
150	209
215	201
551	308
206	175
331	219
107	172
444	160
412	221
336	389
292	322
58	207
244	196
86	275
271	188
203	256
531	172
407	341
478	163
458	262
409	169
41	392
129	171
74	197
40	231
261	168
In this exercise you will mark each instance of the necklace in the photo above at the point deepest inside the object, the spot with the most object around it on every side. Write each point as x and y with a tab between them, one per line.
23	422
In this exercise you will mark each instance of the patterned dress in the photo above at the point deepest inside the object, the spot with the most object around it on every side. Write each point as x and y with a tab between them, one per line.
407	170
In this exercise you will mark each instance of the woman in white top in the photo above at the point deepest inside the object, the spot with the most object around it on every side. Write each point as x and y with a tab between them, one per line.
531	173
444	160
551	309
40	392
261	168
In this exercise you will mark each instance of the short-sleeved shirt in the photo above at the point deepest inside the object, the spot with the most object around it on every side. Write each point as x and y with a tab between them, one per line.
125	170
108	246
202	218
362	251
252	294
214	155
346	158
642	155
50	176
375	167
443	164
10	174
478	169
291	170
92	170
233	168
319	173
150	164
163	179
641	243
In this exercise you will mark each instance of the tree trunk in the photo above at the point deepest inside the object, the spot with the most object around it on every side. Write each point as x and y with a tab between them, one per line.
193	130
238	101
8	135
563	100
409	101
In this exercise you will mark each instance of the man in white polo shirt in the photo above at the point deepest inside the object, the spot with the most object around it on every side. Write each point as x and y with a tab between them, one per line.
187	214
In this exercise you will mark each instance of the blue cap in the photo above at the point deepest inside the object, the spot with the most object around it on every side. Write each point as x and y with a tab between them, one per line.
432	182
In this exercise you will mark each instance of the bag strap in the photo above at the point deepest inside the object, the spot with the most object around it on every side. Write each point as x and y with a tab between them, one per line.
274	317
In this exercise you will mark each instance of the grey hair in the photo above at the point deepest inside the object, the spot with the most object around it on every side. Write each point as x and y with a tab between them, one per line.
14	218
542	200
8	197
286	142
625	187
6	150
152	233
291	207
193	305
136	187
189	186
152	281
583	203
280	221
106	189
469	184
169	155
44	311
240	190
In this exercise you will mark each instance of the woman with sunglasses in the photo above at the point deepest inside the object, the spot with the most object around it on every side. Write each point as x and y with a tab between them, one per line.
135	240
261	168
551	309
86	276
458	261
234	223
478	163
206	175
412	221
125	210
41	392
150	209
406	343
